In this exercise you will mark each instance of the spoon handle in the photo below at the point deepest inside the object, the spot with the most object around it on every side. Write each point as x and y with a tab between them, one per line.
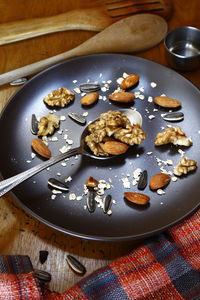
8	184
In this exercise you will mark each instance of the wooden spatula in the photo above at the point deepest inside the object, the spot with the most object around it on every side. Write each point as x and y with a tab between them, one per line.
131	34
93	19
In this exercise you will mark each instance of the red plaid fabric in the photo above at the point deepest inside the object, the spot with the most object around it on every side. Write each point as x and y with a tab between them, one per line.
166	267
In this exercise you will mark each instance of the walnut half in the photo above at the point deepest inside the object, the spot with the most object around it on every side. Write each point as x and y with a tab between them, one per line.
172	135
185	166
59	97
48	124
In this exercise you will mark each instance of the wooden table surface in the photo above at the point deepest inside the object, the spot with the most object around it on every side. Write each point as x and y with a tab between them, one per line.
20	233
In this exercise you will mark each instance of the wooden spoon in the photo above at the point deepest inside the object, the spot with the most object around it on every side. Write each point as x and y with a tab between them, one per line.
132	34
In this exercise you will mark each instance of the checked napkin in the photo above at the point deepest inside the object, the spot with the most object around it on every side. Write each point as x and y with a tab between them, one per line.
166	266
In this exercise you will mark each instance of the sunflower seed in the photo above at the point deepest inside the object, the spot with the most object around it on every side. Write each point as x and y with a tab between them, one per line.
91	203
58	184
77	117
89	87
43	275
143	180
107	202
34	124
75	264
43	254
175	116
18	81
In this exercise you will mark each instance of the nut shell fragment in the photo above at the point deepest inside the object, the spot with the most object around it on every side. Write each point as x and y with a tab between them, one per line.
167	102
159	180
137	198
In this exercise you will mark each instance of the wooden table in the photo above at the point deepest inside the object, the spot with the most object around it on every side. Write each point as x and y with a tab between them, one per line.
20	233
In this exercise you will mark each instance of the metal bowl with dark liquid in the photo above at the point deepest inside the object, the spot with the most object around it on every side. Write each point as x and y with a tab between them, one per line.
183	48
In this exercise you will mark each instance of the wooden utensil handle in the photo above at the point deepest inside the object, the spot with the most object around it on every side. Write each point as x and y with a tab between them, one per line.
83	19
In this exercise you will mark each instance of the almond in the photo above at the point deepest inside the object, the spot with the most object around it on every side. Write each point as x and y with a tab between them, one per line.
115	147
123	97
41	148
89	98
167	102
137	198
159	180
129	81
91	182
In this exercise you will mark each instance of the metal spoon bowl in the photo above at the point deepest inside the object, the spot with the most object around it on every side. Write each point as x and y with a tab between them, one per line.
8	184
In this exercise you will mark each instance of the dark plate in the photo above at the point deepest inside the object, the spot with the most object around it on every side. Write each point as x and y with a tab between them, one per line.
126	222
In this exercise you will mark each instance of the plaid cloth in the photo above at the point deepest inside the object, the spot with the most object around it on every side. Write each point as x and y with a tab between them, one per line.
166	267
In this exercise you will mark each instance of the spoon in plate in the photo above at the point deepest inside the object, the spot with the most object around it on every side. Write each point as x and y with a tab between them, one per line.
8	184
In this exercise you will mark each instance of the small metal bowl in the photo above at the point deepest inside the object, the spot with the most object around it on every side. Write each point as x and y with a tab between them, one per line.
183	48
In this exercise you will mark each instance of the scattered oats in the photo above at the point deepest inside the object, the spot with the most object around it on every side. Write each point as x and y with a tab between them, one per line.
110	180
137	94
107	86
109	81
116	176
55	192
149	153
85	206
77	90
114	201
34	181
153	84
141	97
155	109
66	129
65	136
96	82
137	155
76	157
163	95
72	196
134	182
162	127
28	161
103	89
85	114
44	139
125	75
66	159
128	175
54	139
160	192
62	118
199	131
63	164
88	80
151	117
141	89
163	170
60	131
64	149
119	80
100	97
174	178
100	75
133	108
58	174
126	183
64	196
161	203
181	152
169	162
110	169
68	179
109	212
51	112
136	173
103	81
70	142
150	99
169	125
83	94
74	81
100	192
33	155
104	98
146	109
53	197
79	198
48	168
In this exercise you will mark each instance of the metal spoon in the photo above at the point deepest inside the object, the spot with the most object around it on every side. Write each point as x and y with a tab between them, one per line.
8	184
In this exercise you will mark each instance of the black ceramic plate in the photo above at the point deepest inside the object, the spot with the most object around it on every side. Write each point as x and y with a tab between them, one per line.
70	216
